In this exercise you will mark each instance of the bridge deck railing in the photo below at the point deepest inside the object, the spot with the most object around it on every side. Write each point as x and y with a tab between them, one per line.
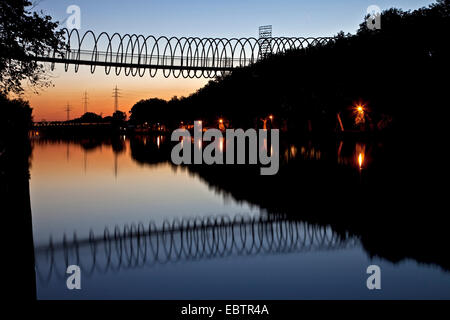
139	60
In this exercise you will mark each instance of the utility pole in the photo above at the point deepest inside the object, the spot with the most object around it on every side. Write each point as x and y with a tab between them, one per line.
68	109
85	102
116	96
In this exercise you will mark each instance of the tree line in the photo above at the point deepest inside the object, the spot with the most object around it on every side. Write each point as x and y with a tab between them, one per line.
397	72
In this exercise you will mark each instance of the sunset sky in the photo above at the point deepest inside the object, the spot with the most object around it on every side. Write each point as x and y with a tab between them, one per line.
202	18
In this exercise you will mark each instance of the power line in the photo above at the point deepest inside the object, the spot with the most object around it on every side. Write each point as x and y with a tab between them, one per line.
85	102
116	96
68	109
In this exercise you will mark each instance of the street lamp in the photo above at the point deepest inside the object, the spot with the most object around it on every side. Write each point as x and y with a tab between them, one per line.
359	112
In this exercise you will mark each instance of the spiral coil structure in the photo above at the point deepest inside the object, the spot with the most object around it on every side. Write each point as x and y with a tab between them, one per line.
136	246
187	57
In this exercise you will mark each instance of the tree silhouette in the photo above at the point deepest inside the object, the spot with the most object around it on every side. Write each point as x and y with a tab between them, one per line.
397	71
89	117
23	33
119	116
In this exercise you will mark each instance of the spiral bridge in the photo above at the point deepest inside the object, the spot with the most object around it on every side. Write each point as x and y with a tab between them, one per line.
187	57
134	246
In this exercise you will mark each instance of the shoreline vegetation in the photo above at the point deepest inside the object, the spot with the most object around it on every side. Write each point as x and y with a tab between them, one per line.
384	82
395	74
376	81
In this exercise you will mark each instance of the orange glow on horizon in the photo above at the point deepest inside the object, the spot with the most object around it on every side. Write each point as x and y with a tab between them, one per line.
69	86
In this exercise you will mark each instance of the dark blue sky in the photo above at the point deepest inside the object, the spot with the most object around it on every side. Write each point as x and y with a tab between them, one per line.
230	18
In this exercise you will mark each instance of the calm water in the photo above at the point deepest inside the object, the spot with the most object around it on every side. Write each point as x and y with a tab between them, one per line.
141	228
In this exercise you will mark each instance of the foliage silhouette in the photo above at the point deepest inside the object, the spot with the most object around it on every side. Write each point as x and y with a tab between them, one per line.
22	33
395	70
15	152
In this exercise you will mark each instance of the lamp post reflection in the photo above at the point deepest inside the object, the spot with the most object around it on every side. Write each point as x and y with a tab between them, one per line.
221	144
360	150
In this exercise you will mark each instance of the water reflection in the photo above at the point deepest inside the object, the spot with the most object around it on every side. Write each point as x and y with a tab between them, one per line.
327	195
139	245
353	155
309	152
361	154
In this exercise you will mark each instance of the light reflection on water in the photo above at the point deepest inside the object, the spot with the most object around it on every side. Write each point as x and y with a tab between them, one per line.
148	229
354	156
73	187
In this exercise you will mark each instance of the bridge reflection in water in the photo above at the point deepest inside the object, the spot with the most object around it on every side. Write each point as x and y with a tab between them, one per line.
136	245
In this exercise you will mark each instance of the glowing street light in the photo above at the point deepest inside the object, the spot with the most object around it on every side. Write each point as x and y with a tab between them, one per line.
359	112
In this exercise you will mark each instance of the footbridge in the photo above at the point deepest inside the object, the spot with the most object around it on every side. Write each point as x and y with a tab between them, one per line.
187	57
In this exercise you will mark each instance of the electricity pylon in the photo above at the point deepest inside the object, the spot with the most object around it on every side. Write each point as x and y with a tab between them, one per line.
85	102
116	96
